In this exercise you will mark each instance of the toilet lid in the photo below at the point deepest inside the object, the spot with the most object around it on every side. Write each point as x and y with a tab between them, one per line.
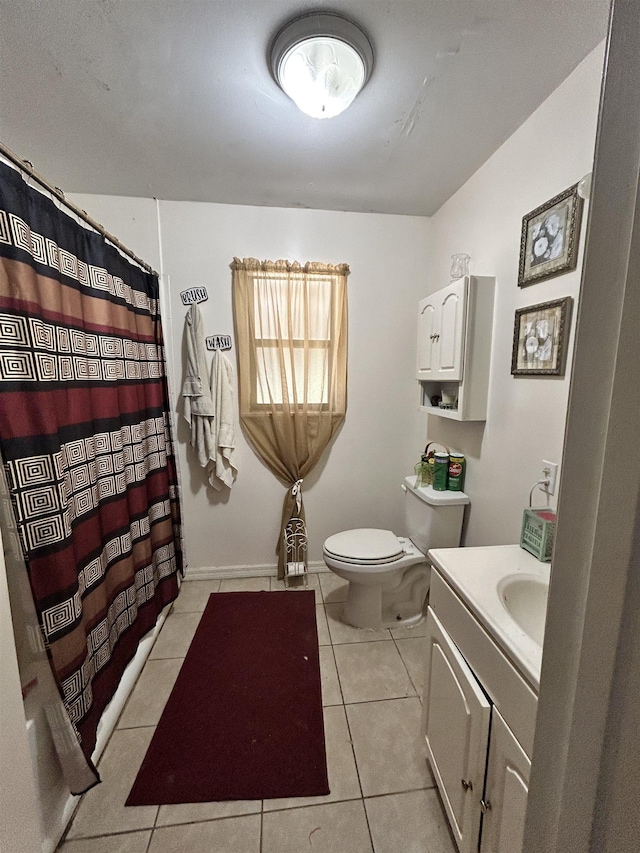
365	545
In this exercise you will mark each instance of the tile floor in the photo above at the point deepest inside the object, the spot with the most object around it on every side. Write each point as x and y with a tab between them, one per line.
382	799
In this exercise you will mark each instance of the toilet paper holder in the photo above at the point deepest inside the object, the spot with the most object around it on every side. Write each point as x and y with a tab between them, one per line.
295	543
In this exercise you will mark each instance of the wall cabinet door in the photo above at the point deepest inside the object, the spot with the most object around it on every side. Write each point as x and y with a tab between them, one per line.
450	342
506	791
441	326
426	338
456	729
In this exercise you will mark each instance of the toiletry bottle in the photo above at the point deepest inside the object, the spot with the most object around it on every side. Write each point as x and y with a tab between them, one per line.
456	471
441	472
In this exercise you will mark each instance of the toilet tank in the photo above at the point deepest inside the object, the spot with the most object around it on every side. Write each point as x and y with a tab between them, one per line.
433	519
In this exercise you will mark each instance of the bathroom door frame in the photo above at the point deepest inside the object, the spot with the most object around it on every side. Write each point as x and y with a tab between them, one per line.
586	759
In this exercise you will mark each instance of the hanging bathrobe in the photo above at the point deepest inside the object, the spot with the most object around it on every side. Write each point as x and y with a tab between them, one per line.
198	409
223	471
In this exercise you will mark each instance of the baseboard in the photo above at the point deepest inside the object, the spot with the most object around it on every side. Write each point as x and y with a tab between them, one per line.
210	573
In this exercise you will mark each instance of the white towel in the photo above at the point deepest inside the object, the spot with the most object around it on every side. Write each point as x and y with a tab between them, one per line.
198	409
223	471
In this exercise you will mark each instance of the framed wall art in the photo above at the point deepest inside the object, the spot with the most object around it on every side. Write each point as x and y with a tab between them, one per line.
550	237
540	337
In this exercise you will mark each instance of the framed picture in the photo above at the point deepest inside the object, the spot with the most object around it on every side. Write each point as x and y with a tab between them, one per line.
540	335
550	236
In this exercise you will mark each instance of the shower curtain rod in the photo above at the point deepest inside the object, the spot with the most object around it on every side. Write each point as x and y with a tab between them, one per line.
26	166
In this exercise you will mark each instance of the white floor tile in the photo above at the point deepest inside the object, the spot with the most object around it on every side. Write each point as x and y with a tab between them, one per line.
334	589
230	835
343	633
102	809
370	671
419	630
146	703
175	636
198	812
417	818
194	595
331	693
388	744
324	638
298	583
128	842
414	653
331	828
245	584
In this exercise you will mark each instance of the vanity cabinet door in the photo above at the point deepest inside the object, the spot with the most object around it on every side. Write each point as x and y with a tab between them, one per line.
506	791
456	716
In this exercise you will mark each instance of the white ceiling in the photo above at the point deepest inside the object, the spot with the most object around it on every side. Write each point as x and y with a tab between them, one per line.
173	98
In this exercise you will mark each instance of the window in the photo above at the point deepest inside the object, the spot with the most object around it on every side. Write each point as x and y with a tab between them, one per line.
293	326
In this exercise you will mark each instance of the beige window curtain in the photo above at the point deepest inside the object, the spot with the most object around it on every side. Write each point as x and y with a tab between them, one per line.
291	334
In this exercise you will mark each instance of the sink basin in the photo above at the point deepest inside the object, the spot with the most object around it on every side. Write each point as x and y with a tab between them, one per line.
505	588
524	597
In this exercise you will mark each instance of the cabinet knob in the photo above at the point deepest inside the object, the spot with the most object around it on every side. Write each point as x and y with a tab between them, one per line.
485	806
466	786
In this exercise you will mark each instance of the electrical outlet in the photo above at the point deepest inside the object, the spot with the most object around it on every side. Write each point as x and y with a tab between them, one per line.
550	473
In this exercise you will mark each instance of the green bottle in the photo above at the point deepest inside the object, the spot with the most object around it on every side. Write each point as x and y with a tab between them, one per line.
441	473
456	471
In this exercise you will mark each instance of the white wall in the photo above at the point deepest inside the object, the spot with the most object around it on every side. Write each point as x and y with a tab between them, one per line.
551	151
395	261
357	483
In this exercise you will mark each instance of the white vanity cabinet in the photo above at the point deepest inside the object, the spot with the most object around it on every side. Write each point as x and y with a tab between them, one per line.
478	726
454	347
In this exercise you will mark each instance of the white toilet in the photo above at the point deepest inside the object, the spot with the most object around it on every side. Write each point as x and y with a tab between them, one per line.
388	575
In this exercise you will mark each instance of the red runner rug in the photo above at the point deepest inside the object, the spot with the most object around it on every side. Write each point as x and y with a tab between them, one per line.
244	719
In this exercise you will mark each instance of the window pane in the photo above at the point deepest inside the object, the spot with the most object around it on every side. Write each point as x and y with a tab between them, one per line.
287	309
319	300
312	371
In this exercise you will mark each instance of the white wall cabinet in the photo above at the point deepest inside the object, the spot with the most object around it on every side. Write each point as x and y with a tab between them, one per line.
454	347
440	333
471	691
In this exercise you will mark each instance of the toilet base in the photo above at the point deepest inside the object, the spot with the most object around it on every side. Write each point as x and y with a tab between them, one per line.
387	620
375	608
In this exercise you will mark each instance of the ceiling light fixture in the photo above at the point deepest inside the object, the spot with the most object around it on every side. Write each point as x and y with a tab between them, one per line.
321	61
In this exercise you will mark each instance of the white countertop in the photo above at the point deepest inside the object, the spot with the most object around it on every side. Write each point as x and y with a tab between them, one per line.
474	573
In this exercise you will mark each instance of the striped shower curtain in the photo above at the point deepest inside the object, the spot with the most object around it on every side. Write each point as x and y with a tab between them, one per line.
86	442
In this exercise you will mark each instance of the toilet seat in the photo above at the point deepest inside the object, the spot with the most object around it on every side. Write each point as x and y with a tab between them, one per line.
365	547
